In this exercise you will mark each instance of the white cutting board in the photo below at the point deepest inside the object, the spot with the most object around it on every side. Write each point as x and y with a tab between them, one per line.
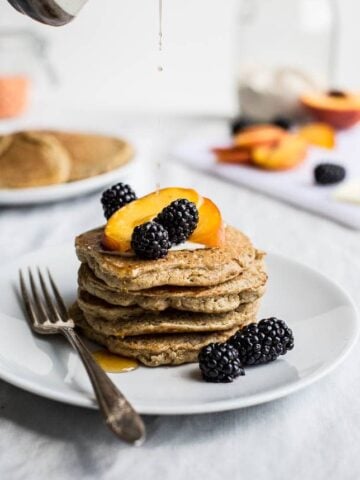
293	186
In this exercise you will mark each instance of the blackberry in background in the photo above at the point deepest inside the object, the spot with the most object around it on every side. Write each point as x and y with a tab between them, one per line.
240	123
329	173
283	122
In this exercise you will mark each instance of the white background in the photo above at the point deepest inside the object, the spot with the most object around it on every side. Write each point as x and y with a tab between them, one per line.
108	57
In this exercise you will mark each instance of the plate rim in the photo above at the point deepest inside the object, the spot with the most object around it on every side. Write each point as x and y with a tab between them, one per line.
217	406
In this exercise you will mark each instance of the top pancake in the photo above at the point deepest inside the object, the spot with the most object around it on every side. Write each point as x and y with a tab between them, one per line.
195	268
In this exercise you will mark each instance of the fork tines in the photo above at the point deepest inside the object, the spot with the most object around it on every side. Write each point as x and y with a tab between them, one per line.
43	305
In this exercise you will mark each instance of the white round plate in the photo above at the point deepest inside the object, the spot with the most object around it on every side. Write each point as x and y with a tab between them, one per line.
322	316
64	191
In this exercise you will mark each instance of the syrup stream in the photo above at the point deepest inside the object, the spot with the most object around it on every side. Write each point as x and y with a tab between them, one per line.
160	44
160	69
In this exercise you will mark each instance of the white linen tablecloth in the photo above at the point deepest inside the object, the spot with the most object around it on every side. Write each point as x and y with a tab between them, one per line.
314	434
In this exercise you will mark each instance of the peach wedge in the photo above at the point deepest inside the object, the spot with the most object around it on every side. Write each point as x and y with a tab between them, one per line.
289	153
318	134
232	155
258	135
210	230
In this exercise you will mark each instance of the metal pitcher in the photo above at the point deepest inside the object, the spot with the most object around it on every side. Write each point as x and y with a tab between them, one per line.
50	12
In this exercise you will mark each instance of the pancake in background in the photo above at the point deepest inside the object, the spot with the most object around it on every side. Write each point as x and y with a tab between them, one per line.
32	159
93	154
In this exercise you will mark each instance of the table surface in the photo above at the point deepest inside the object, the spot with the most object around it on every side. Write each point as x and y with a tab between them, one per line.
312	434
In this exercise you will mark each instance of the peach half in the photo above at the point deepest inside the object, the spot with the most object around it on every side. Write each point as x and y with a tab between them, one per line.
339	109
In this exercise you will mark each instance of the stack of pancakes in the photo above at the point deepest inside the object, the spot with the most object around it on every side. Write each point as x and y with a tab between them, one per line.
162	312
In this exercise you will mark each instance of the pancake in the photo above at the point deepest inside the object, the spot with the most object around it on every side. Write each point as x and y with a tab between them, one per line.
32	159
194	268
93	154
110	320
154	350
246	287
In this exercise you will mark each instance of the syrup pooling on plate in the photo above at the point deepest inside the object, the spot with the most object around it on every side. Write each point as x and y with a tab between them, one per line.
114	363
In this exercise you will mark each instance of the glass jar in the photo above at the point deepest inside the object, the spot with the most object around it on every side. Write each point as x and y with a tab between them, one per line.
284	47
22	55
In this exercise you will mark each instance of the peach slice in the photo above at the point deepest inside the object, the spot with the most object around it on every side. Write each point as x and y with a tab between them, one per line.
339	109
232	155
290	152
120	226
258	135
318	134
211	229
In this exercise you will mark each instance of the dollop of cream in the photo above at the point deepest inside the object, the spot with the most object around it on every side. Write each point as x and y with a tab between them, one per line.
183	246
187	246
349	191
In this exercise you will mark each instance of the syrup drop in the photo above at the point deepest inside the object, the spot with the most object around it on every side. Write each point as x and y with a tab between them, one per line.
114	363
158	175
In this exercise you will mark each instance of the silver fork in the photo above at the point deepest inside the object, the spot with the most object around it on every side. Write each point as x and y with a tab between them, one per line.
47	315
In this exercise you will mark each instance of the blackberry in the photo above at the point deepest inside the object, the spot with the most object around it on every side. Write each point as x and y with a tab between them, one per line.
282	122
240	123
220	363
180	219
150	241
116	197
329	173
262	342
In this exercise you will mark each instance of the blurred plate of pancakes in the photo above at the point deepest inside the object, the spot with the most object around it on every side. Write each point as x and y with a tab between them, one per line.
39	166
322	316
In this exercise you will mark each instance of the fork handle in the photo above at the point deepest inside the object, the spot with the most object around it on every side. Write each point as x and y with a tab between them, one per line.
119	415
